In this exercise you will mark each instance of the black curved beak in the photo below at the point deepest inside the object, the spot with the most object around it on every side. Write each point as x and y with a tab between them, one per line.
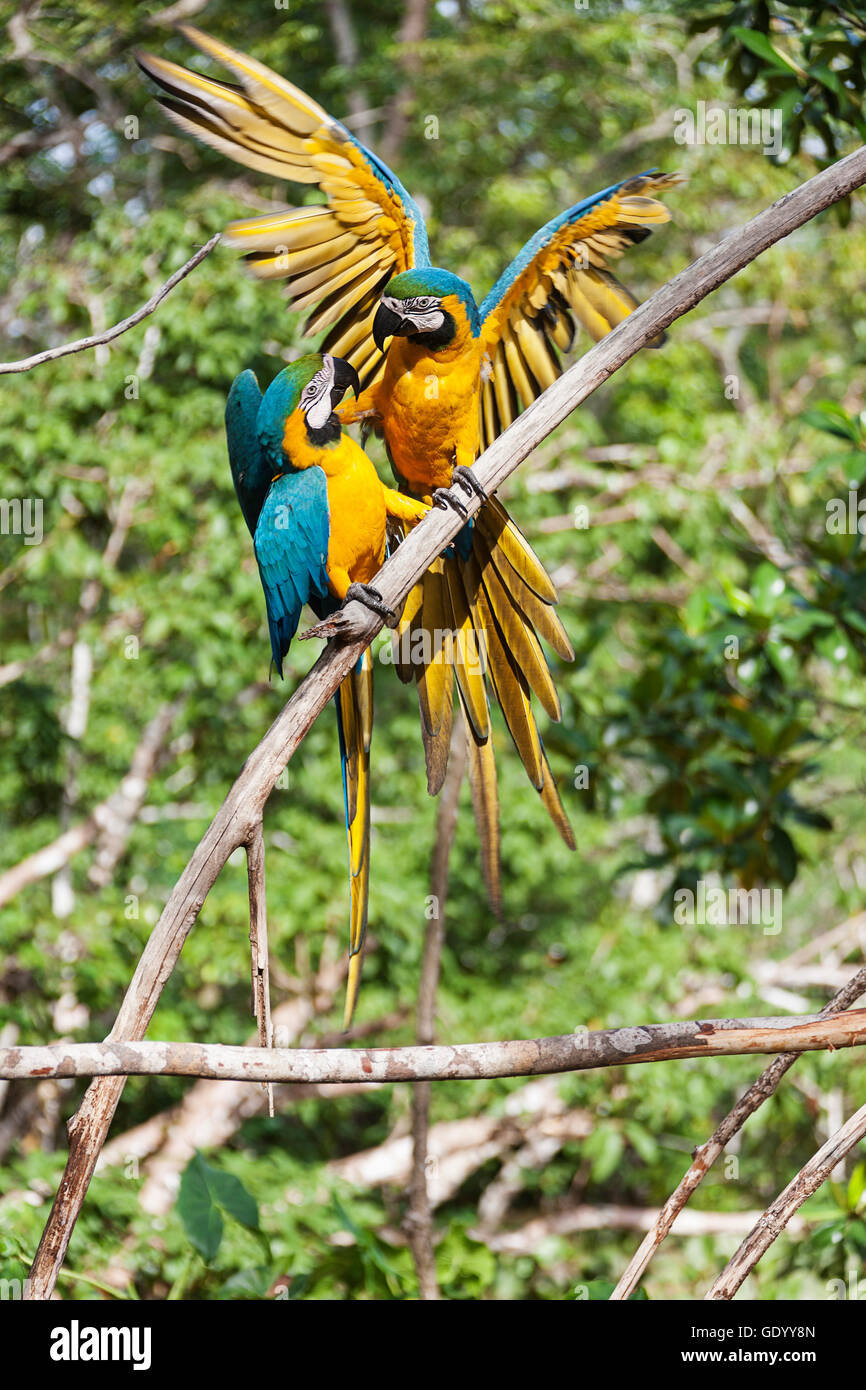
344	377
385	325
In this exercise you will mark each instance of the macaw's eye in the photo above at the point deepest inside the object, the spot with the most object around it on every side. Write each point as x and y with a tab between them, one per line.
426	303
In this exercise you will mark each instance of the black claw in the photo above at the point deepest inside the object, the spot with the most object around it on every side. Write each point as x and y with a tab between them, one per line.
443	497
372	599
468	481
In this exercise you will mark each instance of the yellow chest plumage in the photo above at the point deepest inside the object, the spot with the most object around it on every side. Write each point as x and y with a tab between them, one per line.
429	406
356	503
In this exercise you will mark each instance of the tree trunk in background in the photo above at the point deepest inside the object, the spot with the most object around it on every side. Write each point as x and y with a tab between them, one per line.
412	31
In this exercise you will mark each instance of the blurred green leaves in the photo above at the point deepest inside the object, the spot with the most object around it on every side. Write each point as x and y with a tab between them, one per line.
838	1244
805	59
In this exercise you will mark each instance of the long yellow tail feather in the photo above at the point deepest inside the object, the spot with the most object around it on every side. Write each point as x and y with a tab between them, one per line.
356	719
481	767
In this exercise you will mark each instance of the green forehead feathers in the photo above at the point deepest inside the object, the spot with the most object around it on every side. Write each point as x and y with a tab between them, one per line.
427	280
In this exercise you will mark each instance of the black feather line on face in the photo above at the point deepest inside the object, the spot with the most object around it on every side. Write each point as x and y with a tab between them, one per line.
328	434
439	337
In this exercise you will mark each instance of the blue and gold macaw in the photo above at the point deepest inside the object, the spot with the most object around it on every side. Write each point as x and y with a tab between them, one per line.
454	376
317	513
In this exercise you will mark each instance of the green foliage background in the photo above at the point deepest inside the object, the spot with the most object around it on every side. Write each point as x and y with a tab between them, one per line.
751	771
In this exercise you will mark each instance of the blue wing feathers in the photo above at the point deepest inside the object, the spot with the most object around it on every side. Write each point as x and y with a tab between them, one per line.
291	545
287	515
276	406
250	473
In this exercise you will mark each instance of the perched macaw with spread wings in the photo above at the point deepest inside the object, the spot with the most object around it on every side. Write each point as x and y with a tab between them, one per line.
317	513
454	376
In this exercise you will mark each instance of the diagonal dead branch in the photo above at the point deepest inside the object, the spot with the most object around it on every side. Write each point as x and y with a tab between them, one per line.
113	818
26	364
706	1155
774	1220
259	958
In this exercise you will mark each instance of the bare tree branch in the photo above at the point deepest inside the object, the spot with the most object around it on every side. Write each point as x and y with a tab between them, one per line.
259	962
581	1051
96	340
243	805
778	1214
412	31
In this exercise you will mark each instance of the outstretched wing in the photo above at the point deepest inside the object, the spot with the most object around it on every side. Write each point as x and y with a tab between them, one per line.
337	256
250	470
561	275
291	545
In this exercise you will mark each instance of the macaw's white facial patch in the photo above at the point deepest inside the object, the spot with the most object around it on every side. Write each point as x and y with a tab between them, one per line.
316	396
424	312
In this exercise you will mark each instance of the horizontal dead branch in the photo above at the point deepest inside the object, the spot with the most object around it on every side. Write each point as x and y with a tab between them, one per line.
581	1051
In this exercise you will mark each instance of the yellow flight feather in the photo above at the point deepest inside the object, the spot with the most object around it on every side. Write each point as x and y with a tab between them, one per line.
554	807
288	104
468	653
356	710
542	615
536	352
517	370
499	529
334	305
433	674
402	639
508	682
481	767
503	390
520	640
307	289
532	609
